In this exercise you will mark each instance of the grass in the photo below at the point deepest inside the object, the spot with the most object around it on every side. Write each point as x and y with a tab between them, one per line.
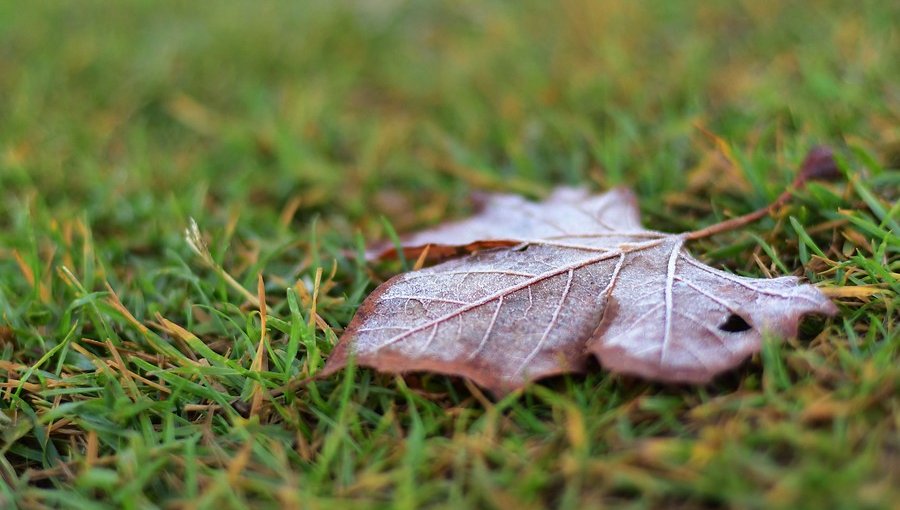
138	373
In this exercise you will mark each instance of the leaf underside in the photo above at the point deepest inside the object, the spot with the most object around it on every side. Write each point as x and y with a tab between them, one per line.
579	277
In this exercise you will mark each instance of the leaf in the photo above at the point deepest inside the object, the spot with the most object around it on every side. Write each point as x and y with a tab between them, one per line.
507	220
574	276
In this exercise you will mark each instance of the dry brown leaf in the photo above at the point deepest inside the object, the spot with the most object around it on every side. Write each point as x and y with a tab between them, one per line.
575	276
507	220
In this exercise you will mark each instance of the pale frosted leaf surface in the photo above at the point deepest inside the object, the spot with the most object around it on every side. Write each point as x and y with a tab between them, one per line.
595	283
503	219
672	318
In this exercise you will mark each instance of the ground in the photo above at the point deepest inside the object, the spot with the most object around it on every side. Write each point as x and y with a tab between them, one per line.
132	371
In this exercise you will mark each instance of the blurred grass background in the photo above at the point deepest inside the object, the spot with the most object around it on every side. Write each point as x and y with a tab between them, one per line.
288	130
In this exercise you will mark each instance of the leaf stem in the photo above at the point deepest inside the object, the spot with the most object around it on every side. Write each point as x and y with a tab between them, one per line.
819	164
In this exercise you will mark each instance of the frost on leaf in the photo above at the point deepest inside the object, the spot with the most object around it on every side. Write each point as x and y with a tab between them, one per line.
550	284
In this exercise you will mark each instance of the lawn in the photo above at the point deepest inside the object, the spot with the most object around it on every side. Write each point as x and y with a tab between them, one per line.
138	372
